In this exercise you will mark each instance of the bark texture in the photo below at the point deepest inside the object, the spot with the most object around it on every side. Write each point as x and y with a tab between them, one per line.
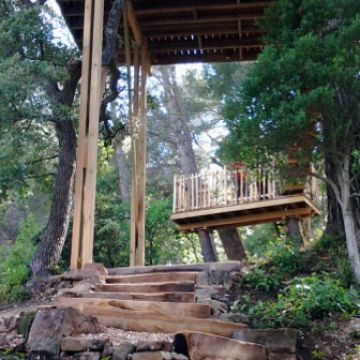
49	249
233	246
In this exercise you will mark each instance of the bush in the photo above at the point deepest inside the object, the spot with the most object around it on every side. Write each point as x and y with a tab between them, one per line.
304	300
14	267
262	280
284	257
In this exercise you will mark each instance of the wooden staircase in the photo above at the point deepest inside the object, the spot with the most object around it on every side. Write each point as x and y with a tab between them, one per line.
161	299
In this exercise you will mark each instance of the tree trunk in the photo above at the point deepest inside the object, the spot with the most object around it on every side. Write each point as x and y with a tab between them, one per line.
208	249
49	250
349	216
233	246
335	223
293	231
184	148
123	175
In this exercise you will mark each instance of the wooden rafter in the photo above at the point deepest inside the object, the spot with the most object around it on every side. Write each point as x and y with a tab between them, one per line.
170	29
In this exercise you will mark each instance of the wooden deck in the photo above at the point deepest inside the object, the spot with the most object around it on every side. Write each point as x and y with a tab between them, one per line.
251	213
238	198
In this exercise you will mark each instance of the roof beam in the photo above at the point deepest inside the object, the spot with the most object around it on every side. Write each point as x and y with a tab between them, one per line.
203	7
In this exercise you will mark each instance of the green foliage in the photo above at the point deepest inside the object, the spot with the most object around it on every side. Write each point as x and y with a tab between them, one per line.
14	266
284	257
262	280
257	238
303	301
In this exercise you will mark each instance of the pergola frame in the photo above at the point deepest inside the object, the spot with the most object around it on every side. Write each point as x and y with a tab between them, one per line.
160	32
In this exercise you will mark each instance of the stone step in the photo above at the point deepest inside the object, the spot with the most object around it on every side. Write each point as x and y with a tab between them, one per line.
212	266
200	346
153	277
152	307
181	286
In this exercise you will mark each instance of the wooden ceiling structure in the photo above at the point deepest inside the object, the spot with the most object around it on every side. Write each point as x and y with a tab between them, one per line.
151	32
183	31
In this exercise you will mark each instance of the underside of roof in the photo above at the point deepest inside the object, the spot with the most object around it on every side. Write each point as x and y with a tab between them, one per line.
182	31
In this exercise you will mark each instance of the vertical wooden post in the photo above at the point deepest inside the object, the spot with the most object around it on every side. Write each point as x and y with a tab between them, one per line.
138	147
90	101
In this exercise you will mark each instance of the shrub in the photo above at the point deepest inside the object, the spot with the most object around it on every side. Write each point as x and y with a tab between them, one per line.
284	257
262	280
304	300
14	266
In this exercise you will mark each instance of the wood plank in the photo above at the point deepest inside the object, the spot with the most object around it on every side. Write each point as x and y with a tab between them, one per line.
183	297
93	134
187	286
200	346
246	220
222	266
153	307
134	193
81	151
153	277
281	200
141	321
176	8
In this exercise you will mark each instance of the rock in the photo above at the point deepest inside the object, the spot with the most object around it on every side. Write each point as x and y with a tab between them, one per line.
281	356
152	355
76	323
9	323
87	355
100	268
219	277
236	318
97	344
275	340
202	278
90	276
50	326
46	333
217	307
121	352
108	350
24	324
158	345
75	344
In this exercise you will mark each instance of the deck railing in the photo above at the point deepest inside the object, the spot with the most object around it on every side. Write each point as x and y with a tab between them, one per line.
227	187
223	188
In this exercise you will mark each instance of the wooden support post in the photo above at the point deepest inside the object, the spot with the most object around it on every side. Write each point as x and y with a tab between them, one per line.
92	80
138	141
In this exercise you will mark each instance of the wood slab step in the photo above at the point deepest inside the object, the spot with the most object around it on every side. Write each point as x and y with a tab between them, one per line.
225	266
184	297
153	307
183	286
144	321
201	346
153	277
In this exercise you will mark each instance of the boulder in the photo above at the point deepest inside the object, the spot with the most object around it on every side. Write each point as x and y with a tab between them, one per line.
100	268
75	344
87	355
46	333
49	327
24	323
275	340
121	352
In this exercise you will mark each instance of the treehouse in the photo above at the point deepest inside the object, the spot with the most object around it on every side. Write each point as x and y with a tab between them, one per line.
239	197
